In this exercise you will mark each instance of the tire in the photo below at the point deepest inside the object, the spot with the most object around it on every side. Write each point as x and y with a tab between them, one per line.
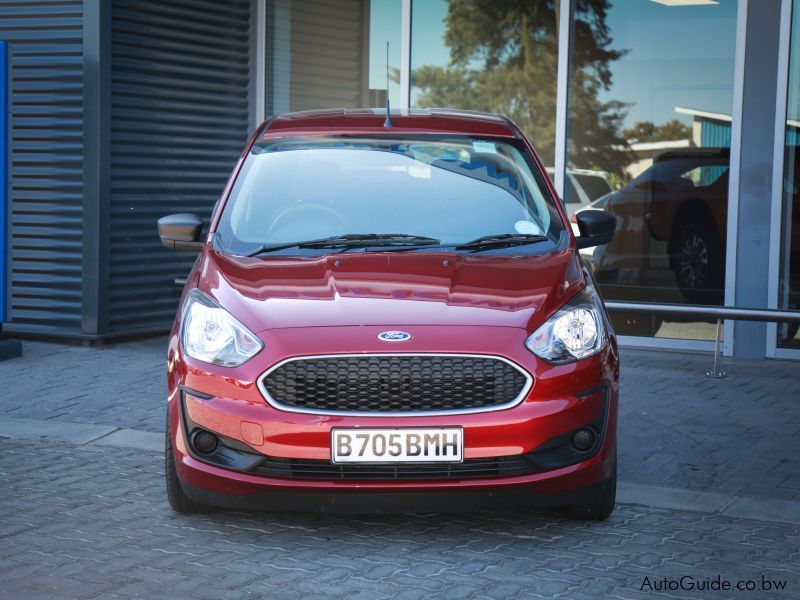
600	506
178	500
697	257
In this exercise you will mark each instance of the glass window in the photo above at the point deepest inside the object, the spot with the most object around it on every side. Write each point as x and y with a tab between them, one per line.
650	104
454	190
574	195
498	57
789	273
594	185
384	28
331	54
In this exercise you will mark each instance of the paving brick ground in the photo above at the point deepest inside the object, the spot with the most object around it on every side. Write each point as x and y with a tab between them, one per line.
85	522
677	428
122	385
739	435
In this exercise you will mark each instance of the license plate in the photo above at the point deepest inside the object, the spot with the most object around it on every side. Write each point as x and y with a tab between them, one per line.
355	445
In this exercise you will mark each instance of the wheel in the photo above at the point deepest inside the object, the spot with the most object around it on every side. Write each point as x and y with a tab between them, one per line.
600	506
698	260
178	500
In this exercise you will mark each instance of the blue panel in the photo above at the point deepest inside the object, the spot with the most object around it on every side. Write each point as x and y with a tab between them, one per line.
3	172
714	134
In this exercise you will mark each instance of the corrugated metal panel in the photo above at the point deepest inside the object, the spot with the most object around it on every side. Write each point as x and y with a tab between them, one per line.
792	135
715	135
45	167
327	54
179	119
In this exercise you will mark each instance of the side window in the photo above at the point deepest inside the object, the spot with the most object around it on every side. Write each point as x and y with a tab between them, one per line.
594	185
704	174
571	195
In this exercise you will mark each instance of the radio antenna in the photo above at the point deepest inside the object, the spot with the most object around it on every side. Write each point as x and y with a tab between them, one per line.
388	122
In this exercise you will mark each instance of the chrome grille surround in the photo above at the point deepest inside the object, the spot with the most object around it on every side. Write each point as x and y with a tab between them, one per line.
528	384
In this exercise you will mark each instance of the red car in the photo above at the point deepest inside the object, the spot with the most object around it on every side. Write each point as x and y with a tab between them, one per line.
390	315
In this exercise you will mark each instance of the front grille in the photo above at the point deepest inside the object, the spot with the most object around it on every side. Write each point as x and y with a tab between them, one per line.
394	383
475	468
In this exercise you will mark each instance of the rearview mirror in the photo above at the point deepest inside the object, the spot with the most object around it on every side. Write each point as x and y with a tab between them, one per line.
596	227
181	232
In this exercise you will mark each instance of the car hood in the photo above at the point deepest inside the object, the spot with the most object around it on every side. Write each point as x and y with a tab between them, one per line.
391	289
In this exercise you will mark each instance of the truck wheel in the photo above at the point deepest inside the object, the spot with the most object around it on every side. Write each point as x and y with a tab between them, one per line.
698	261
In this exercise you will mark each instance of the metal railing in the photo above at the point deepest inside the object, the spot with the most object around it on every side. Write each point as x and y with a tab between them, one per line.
720	313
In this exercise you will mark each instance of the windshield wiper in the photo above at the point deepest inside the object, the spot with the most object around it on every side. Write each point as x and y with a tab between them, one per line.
352	240
501	240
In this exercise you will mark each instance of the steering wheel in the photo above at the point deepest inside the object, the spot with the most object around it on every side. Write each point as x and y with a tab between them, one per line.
306	214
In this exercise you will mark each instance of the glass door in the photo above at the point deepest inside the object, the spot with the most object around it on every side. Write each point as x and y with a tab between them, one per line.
786	279
650	121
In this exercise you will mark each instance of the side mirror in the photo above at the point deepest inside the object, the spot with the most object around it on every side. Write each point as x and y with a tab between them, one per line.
181	232
596	227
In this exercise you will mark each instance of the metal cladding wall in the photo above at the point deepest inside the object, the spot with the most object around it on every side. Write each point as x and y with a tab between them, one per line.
180	76
714	134
327	54
45	143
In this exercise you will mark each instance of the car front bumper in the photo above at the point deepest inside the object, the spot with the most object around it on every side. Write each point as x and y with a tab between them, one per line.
562	399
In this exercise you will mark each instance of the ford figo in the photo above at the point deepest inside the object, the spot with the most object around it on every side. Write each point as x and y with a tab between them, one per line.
390	314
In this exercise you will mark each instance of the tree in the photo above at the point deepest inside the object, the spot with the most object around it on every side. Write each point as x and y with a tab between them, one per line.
503	58
647	131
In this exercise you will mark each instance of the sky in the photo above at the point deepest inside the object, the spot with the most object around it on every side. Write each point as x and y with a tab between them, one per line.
384	26
677	55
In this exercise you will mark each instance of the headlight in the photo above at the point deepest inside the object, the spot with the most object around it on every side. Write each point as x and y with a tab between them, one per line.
209	333
574	332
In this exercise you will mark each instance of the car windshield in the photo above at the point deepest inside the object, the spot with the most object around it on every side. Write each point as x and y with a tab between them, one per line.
443	192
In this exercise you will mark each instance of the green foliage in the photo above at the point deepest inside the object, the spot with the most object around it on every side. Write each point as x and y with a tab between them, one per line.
647	131
504	58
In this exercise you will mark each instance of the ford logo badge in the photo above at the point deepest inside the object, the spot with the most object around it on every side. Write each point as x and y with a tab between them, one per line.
394	336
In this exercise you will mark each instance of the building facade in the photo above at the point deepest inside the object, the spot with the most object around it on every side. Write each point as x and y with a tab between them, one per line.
680	116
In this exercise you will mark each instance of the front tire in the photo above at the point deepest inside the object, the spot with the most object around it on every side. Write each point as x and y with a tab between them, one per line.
698	260
178	500
600	505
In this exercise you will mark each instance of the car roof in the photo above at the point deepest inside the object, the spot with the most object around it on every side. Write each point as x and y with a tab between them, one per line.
371	121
